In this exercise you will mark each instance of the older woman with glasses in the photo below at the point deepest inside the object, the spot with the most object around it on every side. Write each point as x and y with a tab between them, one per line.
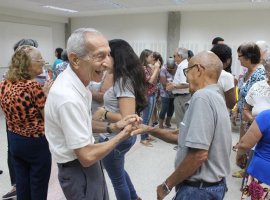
249	57
22	100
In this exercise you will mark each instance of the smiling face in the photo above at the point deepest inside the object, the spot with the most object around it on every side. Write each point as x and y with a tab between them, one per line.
91	67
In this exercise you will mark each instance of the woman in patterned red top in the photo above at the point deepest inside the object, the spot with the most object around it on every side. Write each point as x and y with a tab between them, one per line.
151	76
22	100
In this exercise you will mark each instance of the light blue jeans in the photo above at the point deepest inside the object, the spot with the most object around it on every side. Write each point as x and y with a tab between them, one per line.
147	113
114	164
186	192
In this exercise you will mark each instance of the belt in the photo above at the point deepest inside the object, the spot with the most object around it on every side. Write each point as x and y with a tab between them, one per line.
73	163
178	94
201	184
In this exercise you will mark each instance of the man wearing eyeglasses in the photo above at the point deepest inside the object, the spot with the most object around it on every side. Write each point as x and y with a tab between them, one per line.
179	86
203	157
68	120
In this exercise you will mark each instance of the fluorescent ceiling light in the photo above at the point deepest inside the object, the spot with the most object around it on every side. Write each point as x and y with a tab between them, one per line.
259	1
61	9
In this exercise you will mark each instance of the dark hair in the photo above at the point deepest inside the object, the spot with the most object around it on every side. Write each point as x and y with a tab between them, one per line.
144	54
59	52
64	55
190	54
127	66
224	52
216	40
22	42
250	51
157	56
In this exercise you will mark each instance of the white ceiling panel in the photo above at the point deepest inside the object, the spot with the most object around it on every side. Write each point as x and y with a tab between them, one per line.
103	7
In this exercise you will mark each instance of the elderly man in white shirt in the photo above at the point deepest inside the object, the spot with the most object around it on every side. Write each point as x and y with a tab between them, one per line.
68	122
179	86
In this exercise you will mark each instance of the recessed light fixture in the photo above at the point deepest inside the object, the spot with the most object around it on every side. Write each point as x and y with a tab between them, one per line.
61	9
259	1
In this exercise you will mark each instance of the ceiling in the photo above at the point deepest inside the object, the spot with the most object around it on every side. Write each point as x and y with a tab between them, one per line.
107	7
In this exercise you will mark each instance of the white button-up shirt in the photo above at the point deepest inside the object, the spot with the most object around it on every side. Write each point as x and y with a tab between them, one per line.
68	119
179	77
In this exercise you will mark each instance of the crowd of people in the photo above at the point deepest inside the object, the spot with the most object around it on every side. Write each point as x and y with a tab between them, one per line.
100	95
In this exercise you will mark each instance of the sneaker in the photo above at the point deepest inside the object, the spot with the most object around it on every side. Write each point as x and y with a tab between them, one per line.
10	195
155	124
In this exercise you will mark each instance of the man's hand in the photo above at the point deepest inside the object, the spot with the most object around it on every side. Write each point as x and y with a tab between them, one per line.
134	120
99	114
170	86
160	192
141	128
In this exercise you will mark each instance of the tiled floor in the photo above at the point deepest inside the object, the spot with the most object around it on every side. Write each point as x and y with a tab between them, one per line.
147	167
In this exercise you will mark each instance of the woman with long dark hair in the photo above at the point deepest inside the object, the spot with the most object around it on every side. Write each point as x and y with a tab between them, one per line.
126	96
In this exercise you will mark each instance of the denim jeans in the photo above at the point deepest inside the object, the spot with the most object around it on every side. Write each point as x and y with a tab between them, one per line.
114	164
186	192
32	162
147	113
167	107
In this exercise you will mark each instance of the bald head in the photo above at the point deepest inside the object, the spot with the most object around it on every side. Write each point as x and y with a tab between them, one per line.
210	61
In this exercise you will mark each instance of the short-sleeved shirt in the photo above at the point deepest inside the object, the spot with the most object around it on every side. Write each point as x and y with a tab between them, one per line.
226	81
259	97
150	88
179	77
260	163
59	68
258	75
68	119
22	102
112	95
169	77
206	125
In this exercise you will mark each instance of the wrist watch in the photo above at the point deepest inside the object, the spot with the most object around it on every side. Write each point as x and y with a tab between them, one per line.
165	188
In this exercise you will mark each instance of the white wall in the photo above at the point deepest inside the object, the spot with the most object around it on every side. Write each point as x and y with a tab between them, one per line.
49	34
141	31
199	28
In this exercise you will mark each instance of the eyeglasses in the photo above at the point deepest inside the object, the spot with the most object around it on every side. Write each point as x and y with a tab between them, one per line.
186	70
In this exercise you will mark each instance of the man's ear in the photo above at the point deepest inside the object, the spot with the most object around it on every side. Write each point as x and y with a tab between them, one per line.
74	60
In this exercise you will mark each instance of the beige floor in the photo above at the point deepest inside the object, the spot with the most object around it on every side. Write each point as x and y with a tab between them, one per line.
147	167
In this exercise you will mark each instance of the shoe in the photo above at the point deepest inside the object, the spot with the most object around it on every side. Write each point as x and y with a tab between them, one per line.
234	148
146	143
1	172
239	174
154	124
168	125
10	195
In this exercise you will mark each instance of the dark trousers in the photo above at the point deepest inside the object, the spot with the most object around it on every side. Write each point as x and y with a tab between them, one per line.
10	161
32	162
82	183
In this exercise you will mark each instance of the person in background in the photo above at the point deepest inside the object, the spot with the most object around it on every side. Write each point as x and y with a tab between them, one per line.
249	57
179	86
151	77
12	174
190	54
258	181
22	100
167	107
157	56
264	49
226	79
217	40
68	120
61	66
125	97
57	53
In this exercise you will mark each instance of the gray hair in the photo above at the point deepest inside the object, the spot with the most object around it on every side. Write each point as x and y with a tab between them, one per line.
77	41
182	52
22	42
263	46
